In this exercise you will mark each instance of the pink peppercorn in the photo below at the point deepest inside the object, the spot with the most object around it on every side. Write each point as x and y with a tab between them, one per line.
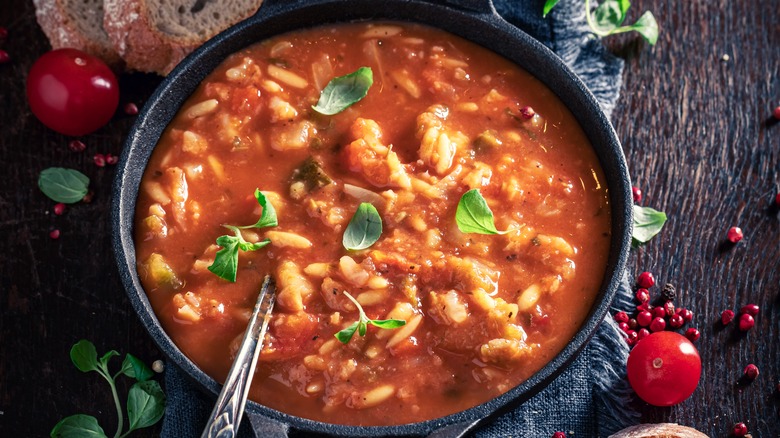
3	33
76	145
644	318
637	194
669	308
54	234
739	429
645	280
59	209
111	159
559	435
623	326
777	197
4	57
644	307
527	112
631	337
676	321
659	312
751	372
692	334
658	325
734	234
642	295
686	314
776	113
131	109
750	309
642	333
632	324
727	316
746	322
100	160
621	317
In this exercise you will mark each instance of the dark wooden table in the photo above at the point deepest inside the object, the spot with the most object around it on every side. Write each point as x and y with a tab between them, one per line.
699	140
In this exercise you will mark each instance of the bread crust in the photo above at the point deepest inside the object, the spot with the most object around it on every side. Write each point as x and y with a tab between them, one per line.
660	430
62	32
135	37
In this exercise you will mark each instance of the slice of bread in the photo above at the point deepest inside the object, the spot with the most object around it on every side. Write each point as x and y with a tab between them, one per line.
154	35
660	430
77	24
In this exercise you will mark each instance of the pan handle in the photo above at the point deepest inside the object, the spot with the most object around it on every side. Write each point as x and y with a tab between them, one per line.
457	430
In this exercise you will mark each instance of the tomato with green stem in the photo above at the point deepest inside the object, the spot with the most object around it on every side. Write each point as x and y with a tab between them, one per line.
664	368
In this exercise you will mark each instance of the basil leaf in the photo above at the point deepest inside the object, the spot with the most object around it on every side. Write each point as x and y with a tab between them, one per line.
364	228
136	369
548	5
145	404
78	426
268	216
647	27
226	260
647	223
345	335
474	216
63	185
84	356
344	91
106	357
387	323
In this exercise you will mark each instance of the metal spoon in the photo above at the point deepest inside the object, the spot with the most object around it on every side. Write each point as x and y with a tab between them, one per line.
227	413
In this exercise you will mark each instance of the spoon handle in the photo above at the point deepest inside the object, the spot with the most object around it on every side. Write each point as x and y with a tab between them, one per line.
226	416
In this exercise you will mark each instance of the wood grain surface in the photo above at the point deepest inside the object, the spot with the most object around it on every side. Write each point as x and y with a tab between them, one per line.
699	140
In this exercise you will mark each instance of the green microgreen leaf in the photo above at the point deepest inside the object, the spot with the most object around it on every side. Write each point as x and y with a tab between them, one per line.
647	223
609	16
364	228
474	216
345	335
647	27
548	5
107	357
344	91
136	369
63	185
145	401
84	356
145	404
361	325
387	323
78	426
268	216
225	263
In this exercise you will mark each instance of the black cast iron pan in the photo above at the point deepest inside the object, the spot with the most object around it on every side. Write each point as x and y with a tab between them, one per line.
475	20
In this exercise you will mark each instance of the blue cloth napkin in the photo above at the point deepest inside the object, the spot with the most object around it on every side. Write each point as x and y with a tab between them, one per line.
591	398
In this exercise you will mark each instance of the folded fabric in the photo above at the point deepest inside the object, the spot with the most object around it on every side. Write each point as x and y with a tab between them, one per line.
591	397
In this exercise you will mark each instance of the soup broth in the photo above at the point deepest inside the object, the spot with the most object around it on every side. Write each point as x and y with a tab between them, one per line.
481	312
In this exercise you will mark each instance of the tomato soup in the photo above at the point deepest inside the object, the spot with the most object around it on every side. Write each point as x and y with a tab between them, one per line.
476	309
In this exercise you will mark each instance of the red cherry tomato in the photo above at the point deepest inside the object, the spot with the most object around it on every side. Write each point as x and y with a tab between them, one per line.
664	368
72	92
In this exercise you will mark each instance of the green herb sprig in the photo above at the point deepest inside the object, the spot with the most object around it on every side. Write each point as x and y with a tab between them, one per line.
364	228
145	400
608	19
474	216
344	91
361	325
647	223
63	185
225	263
